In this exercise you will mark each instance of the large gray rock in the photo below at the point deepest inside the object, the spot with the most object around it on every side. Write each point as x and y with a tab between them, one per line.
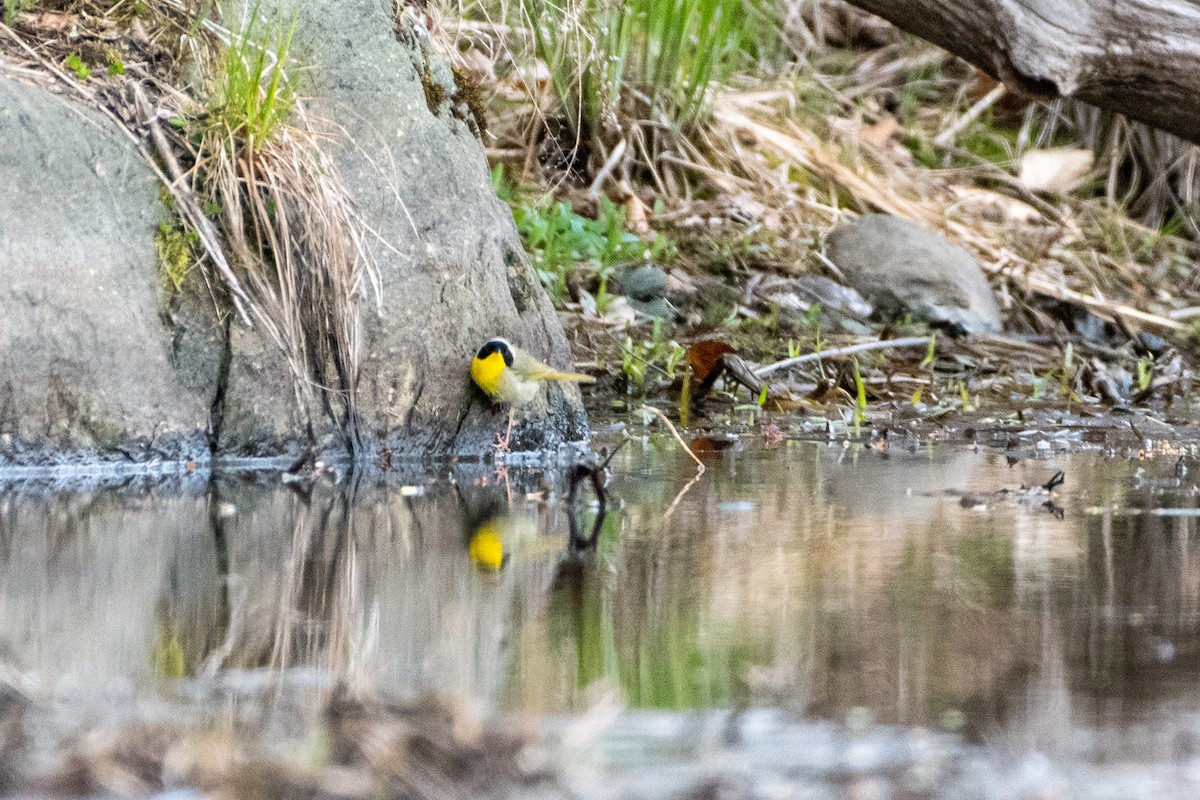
86	362
904	268
453	270
89	369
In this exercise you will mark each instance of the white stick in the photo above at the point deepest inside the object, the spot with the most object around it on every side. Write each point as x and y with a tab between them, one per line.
946	137
886	344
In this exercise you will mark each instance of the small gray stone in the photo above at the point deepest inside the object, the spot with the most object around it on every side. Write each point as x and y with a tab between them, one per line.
646	284
656	309
904	268
646	289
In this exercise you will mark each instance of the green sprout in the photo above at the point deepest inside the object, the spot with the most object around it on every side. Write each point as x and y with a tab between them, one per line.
74	63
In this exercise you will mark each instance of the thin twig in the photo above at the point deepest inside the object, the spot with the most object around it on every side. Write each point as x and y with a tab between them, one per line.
610	164
886	344
652	410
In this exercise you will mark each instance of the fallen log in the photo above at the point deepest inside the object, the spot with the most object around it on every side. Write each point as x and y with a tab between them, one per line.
1137	57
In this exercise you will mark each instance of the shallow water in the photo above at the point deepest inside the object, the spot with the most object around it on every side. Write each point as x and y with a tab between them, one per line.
847	589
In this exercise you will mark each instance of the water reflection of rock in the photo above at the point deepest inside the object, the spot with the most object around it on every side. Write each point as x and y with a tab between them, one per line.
368	582
375	584
98	586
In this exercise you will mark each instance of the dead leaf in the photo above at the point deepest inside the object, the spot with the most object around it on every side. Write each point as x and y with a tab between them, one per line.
49	22
705	357
993	206
137	31
678	281
1058	170
619	314
636	216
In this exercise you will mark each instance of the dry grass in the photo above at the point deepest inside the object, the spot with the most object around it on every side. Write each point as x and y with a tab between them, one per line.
851	130
856	117
1070	249
1153	175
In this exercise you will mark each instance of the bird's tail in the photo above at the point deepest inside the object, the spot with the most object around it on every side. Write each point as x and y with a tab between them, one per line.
573	377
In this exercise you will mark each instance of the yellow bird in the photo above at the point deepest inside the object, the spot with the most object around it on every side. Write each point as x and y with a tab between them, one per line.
508	374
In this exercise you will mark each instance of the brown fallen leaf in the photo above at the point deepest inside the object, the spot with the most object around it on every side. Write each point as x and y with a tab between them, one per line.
49	22
704	357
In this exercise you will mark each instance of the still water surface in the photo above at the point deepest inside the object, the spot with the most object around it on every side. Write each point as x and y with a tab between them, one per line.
825	582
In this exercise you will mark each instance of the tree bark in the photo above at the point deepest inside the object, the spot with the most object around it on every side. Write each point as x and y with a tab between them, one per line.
1137	57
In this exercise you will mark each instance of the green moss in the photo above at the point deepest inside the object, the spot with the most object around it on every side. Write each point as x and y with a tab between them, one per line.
115	64
14	7
176	254
471	94
435	93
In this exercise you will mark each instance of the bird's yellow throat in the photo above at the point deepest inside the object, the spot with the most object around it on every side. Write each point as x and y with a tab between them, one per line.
487	371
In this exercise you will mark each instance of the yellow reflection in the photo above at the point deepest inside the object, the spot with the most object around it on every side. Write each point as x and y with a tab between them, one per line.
494	541
487	546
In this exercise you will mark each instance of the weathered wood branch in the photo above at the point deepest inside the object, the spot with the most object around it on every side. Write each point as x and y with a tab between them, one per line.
1138	57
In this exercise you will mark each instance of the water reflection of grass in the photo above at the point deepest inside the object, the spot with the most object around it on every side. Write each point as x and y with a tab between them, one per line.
662	616
984	571
666	657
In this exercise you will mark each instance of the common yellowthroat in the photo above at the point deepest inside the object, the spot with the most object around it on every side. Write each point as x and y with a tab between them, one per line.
508	374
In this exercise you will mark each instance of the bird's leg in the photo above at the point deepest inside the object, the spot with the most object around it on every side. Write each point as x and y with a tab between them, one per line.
501	445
